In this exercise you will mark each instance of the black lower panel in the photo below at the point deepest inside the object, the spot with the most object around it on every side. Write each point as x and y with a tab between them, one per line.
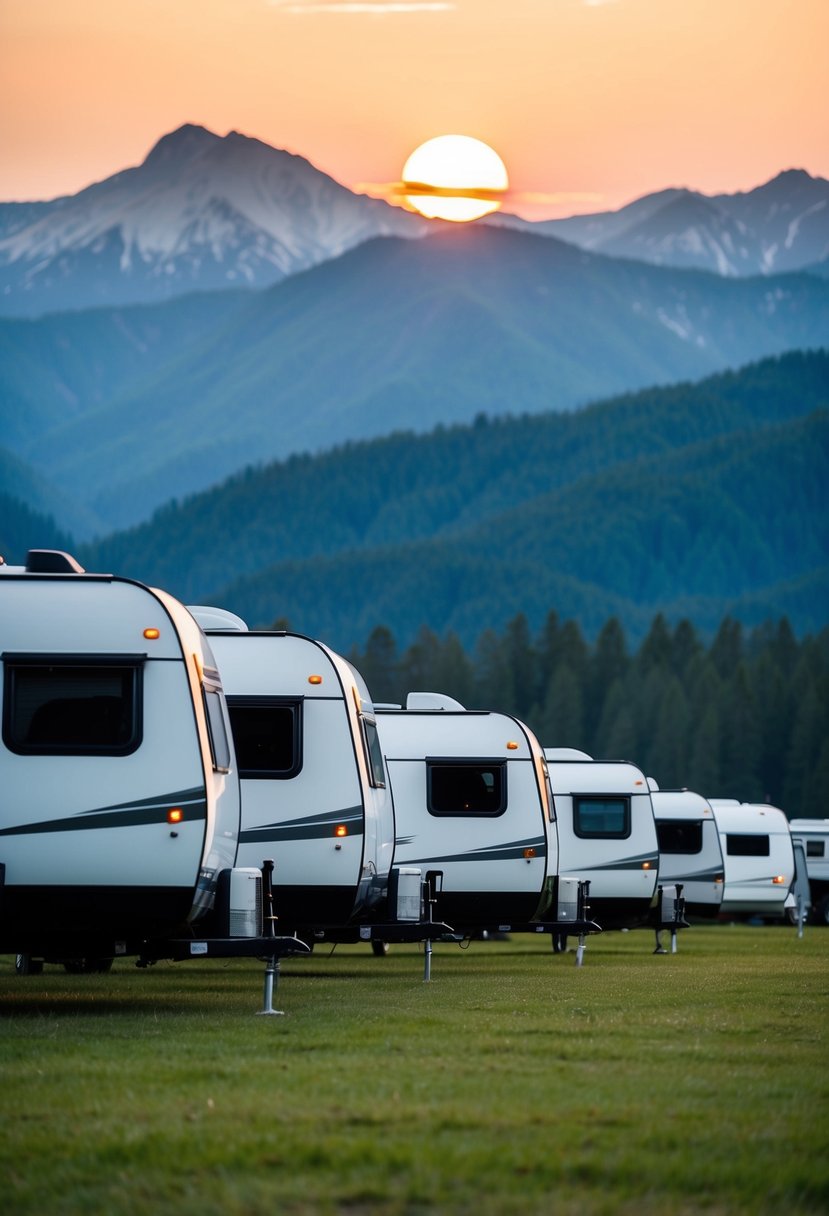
702	911
620	913
85	920
471	909
303	907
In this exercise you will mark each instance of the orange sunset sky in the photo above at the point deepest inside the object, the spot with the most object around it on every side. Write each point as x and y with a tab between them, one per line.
589	102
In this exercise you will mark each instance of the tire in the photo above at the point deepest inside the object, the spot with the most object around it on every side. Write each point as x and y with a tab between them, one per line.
379	949
821	912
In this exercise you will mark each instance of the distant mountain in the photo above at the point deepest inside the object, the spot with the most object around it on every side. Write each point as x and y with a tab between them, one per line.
395	334
779	227
201	212
696	500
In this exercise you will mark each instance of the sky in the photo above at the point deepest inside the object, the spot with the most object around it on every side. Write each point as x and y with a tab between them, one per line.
590	103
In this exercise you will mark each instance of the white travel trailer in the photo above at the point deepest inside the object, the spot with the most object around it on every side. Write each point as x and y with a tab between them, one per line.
814	834
758	859
313	783
606	834
120	804
472	804
689	849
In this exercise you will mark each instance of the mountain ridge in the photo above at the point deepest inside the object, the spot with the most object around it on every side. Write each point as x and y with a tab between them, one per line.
396	334
420	518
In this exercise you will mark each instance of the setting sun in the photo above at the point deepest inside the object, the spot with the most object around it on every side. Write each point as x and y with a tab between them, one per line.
454	177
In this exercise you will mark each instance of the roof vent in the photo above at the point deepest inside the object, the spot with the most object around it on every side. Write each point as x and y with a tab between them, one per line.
431	700
218	620
52	561
565	753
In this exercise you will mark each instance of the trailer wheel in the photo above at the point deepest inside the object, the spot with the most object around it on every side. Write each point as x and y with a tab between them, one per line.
88	966
821	913
24	964
379	949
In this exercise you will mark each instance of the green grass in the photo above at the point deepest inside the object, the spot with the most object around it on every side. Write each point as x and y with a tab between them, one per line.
513	1083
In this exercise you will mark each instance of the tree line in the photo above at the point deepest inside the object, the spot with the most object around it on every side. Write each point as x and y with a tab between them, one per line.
746	716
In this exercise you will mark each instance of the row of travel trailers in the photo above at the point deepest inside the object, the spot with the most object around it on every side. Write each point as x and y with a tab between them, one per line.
155	758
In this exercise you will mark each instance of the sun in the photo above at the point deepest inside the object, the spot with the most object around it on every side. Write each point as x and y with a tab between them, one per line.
454	177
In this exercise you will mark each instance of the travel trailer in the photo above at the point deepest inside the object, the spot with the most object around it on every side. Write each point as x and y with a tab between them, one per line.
814	834
119	818
689	849
314	791
758	859
607	835
472	806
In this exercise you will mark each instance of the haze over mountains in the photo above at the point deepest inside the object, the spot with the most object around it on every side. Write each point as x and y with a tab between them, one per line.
281	314
394	334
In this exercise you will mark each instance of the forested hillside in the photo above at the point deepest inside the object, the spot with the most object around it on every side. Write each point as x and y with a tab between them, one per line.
697	500
746	716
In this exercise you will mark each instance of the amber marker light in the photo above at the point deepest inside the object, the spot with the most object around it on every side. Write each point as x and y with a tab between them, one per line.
778	880
529	853
512	746
646	865
315	679
175	814
152	635
340	830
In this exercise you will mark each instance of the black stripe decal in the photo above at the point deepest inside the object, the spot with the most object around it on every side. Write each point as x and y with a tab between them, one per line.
624	863
310	827
504	852
193	804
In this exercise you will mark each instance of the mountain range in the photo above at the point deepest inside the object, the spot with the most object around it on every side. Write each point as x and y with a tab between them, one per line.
201	212
124	409
297	409
778	227
206	212
697	500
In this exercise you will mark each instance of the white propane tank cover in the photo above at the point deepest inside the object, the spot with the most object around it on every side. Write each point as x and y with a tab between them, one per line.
653	785
432	700
568	899
216	618
407	881
245	910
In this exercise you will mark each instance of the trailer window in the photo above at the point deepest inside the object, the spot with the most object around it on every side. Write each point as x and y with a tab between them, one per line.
602	818
72	708
466	789
219	742
374	753
267	735
679	835
815	848
746	846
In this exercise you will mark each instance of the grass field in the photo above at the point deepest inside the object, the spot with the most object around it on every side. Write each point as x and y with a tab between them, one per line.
513	1083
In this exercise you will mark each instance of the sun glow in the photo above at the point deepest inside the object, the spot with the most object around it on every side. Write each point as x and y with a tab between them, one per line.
454	177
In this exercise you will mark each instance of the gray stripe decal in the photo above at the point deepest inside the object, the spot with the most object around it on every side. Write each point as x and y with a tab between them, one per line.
504	852
697	876
748	882
625	863
193	803
310	827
